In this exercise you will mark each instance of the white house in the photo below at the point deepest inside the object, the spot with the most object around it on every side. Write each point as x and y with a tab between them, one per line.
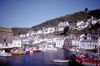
22	35
91	42
82	26
88	44
59	40
29	33
48	30
16	42
80	22
61	26
27	40
38	40
48	40
76	42
94	21
39	32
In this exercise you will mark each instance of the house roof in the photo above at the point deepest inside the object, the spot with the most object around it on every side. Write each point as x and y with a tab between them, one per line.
89	40
5	29
16	38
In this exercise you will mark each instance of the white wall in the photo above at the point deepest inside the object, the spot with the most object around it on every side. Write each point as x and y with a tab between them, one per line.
16	43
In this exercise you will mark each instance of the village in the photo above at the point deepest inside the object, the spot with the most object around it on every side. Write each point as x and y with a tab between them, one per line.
45	40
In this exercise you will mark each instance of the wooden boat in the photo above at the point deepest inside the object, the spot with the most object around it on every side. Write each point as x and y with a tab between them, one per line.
60	60
16	53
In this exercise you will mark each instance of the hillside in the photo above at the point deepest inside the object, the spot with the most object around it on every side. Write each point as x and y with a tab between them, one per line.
72	19
18	31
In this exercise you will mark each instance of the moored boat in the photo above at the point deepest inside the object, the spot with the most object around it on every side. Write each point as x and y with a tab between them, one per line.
60	60
16	53
27	52
65	48
24	52
82	57
31	51
5	54
35	50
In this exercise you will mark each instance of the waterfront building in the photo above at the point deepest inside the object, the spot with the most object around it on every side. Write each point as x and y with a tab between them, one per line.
59	40
28	40
16	42
68	43
76	42
88	44
6	37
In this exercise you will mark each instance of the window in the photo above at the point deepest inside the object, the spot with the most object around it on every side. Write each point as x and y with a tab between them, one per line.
3	36
6	44
10	34
18	43
4	40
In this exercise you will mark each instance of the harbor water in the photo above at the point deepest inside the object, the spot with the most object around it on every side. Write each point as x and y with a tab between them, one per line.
36	59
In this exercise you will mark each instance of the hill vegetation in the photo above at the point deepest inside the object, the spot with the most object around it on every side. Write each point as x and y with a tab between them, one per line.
72	19
18	31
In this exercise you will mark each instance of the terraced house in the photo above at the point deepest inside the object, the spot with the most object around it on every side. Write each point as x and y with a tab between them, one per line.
6	37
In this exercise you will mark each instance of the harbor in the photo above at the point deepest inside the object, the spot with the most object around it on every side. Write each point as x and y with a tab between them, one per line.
36	59
61	57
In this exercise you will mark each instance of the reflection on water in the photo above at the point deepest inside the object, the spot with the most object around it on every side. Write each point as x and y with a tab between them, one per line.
36	59
4	61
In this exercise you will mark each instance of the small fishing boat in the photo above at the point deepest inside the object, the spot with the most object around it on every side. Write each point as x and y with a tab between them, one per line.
31	51
35	50
5	54
16	53
65	48
60	60
27	52
24	52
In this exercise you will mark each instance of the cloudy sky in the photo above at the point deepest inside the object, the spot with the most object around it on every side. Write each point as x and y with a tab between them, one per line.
28	13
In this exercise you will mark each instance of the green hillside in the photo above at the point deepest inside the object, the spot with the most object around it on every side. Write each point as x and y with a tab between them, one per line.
72	19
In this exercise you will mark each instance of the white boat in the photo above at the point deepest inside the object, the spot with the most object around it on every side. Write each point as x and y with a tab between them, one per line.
5	54
60	60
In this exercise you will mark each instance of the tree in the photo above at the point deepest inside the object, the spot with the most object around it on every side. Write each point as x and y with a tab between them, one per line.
86	9
66	29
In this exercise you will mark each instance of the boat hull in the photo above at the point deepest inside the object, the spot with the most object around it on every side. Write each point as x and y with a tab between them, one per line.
23	52
61	61
16	53
27	52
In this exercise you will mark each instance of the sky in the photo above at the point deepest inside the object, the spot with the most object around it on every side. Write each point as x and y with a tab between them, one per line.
28	13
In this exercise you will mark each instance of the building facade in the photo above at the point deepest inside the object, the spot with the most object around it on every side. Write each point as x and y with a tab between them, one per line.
6	37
